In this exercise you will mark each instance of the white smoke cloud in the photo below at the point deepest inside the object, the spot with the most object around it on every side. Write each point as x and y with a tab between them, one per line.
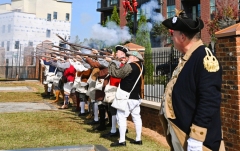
111	35
146	27
149	9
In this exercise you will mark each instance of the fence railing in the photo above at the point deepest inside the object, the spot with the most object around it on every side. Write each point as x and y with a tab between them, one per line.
164	61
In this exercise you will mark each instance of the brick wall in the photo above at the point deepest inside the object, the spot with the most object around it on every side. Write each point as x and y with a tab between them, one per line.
123	20
205	16
149	114
228	53
178	4
150	119
164	8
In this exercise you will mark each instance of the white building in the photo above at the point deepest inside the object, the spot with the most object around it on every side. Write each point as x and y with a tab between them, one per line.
29	22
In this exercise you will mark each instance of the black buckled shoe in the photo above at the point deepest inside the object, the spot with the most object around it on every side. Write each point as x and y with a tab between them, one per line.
81	114
109	125
99	128
110	134
117	144
136	142
93	122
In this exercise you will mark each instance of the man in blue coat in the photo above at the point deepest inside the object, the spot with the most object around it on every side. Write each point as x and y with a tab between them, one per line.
192	97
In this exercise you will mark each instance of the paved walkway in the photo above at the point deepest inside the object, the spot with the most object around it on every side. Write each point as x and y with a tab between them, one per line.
67	148
24	107
14	89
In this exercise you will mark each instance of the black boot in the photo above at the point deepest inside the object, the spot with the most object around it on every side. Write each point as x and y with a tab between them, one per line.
109	119
47	96
102	125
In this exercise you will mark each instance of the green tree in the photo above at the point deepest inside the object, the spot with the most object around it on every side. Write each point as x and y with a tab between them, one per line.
143	39
130	23
115	17
76	41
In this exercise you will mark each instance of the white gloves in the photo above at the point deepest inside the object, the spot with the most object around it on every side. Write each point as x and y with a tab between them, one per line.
194	145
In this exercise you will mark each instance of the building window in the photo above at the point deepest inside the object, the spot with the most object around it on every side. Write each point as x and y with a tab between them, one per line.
9	28
212	8
48	17
98	5
8	45
7	61
48	33
3	29
16	45
199	11
114	2
2	44
17	10
54	15
171	11
67	16
30	43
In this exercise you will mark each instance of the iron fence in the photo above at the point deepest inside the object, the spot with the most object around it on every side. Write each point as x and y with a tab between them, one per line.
163	62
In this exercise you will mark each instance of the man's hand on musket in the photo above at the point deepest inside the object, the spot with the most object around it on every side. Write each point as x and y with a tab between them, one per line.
74	59
78	57
108	59
84	56
94	51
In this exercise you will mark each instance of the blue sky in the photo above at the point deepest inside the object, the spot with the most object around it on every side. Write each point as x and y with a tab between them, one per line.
84	16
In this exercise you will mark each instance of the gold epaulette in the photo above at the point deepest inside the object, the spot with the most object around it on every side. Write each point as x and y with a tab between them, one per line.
210	62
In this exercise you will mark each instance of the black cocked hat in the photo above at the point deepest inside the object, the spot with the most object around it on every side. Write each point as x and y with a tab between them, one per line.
181	22
121	48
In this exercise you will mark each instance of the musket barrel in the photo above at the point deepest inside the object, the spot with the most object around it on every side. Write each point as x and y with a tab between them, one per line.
72	44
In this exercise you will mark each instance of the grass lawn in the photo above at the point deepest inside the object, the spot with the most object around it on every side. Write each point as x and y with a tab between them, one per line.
54	128
33	96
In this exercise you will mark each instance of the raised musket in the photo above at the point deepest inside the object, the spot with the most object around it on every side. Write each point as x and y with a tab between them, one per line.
82	54
75	45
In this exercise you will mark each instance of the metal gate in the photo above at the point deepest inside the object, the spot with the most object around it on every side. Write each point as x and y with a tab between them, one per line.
164	61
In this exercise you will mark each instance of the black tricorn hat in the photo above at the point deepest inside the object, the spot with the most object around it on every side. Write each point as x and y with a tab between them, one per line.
121	48
181	22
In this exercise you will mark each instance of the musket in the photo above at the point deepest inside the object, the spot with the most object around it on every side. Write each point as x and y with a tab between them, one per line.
75	45
54	57
41	56
63	40
69	55
82	54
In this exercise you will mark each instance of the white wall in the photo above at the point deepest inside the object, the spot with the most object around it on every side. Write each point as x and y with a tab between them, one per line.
26	27
31	23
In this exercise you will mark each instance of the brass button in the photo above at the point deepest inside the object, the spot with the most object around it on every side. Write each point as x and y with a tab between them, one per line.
201	133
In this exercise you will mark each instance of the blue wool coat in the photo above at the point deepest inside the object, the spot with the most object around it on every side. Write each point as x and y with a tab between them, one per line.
196	99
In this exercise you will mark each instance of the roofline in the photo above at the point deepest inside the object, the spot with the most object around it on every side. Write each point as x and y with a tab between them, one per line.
5	3
63	2
17	12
